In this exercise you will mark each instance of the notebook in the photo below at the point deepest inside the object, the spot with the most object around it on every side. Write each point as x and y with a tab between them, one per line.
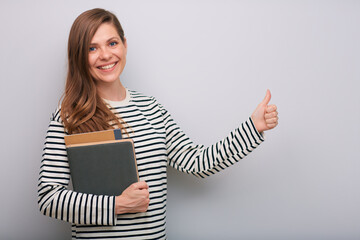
101	162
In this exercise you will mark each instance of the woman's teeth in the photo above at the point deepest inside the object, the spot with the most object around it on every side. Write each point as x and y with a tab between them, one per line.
107	66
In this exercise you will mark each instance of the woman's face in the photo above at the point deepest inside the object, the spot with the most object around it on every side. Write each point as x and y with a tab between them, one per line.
107	54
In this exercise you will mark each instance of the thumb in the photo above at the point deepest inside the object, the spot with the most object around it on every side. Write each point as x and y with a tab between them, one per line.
267	98
140	185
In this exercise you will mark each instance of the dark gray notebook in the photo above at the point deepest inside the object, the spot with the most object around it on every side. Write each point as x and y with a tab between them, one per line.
103	168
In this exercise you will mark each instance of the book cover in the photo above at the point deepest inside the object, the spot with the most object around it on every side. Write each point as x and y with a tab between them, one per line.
101	162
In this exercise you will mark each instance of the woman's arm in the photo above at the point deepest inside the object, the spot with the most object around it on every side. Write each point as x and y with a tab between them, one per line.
54	199
200	161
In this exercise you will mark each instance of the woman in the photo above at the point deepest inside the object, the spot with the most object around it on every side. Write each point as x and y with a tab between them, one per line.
95	99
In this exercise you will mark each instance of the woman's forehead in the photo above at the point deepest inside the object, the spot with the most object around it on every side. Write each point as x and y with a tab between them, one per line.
104	33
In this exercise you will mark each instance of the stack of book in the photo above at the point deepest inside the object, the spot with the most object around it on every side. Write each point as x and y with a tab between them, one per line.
101	162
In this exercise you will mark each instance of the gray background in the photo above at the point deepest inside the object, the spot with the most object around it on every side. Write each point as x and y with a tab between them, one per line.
209	63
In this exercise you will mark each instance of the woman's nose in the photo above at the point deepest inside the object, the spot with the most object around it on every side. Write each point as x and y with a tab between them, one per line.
105	54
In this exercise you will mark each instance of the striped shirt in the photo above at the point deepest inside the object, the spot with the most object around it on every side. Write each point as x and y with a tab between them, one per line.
158	142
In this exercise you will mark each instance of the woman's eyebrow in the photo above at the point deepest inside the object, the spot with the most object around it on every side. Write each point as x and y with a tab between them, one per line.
113	38
110	39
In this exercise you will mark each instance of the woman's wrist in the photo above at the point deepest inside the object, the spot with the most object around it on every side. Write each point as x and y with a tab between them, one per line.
119	205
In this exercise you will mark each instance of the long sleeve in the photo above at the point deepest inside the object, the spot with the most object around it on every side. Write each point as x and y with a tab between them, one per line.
54	199
200	161
158	142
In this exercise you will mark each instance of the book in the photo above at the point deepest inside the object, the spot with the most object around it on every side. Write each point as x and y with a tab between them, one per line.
101	162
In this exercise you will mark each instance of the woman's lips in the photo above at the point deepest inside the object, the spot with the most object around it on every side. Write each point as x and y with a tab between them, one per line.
107	67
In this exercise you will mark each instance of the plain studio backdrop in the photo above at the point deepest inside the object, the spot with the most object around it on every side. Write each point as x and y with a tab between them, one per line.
209	63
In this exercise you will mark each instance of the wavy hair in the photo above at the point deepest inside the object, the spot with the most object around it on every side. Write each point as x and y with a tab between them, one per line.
82	109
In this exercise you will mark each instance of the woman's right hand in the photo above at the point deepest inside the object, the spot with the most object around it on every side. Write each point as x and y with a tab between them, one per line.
134	199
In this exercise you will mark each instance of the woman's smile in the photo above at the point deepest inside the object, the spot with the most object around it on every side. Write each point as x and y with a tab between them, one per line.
108	67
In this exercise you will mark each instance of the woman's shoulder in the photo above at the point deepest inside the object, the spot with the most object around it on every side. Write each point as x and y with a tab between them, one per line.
56	124
147	102
139	97
55	116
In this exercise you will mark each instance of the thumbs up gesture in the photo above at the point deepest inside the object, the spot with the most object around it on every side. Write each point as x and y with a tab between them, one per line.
265	117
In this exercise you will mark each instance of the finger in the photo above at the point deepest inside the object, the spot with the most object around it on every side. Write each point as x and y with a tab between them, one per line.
145	206
271	115
271	125
145	193
143	185
140	185
271	108
271	120
267	98
142	194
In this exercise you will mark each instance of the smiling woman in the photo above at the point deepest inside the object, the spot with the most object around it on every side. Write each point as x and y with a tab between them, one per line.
94	100
107	59
96	42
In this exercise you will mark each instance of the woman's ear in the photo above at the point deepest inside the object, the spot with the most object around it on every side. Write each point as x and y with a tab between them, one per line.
125	42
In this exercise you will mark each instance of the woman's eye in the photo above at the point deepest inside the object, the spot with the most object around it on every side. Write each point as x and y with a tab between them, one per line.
113	44
91	49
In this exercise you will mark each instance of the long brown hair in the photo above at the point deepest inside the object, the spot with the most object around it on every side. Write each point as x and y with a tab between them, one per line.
82	109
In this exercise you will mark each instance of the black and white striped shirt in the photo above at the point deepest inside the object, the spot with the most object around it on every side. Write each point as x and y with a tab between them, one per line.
158	142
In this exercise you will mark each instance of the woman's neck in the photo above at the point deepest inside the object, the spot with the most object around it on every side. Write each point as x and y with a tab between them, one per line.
112	91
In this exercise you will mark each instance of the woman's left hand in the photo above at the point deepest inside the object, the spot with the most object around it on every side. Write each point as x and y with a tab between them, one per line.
265	117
